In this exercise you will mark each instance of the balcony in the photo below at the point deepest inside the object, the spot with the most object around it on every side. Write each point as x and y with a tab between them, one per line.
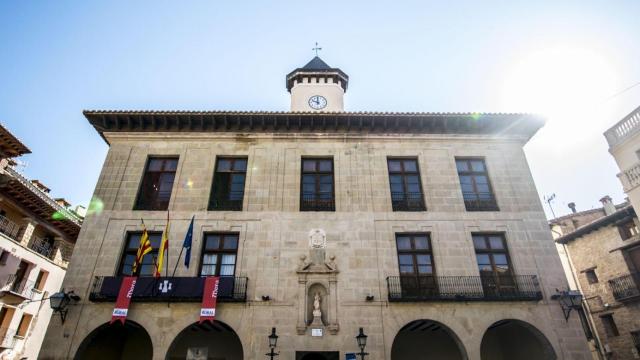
42	247
314	203
630	178
480	202
463	288
9	228
169	289
401	201
232	202
626	288
18	286
625	128
7	338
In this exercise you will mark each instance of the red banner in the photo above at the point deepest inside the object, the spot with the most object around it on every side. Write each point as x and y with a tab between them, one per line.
209	299
124	298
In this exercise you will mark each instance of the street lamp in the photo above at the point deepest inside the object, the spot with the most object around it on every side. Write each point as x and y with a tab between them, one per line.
362	343
273	342
59	302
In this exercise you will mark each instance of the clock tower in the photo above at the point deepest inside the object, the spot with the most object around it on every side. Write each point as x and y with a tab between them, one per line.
317	87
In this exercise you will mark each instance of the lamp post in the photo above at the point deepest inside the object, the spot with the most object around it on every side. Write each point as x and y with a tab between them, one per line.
59	302
273	342
362	343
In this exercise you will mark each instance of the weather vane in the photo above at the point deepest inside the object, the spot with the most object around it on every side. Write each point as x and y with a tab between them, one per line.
316	49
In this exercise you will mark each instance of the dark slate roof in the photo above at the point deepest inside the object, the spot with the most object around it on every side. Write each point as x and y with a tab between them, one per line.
522	126
319	68
316	64
621	215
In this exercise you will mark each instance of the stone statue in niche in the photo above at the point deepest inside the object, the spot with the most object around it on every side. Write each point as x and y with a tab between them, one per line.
316	305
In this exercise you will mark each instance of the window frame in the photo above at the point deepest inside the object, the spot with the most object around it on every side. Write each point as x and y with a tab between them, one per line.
592	276
477	205
626	231
126	251
153	205
414	252
610	326
403	174
317	174
491	252
233	158
21	331
41	280
220	251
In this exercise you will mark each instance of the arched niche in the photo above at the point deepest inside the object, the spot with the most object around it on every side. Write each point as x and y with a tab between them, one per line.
116	341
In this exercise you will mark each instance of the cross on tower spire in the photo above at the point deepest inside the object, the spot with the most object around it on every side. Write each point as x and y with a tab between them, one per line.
316	49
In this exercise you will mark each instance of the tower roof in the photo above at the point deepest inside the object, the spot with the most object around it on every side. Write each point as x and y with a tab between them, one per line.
319	68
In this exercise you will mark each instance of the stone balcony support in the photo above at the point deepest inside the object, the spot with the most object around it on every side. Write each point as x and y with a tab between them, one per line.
27	234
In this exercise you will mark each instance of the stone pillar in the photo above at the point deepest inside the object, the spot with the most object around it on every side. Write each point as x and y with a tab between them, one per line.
301	328
27	234
61	250
333	312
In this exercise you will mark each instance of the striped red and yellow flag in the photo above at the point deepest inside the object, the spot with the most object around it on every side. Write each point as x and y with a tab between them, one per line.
143	249
164	247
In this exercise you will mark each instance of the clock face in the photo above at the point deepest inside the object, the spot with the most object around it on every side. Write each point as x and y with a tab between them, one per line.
317	102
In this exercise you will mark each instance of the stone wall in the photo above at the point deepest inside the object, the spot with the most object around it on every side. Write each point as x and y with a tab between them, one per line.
360	233
600	251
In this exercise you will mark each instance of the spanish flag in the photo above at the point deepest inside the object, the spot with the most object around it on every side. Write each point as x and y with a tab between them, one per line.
143	249
164	247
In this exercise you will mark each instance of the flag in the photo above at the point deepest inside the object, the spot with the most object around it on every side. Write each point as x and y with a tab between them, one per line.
143	249
164	247
187	243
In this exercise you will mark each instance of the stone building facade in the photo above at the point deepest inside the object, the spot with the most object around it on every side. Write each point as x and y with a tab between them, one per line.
604	255
344	239
37	234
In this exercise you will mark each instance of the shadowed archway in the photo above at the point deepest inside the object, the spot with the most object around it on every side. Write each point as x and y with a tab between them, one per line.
515	339
116	341
215	340
427	339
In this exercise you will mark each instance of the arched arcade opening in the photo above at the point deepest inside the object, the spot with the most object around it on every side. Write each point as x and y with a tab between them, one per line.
515	339
427	339
208	340
116	341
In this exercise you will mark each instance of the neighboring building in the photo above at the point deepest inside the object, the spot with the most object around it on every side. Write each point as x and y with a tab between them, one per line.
624	145
425	229
37	235
603	256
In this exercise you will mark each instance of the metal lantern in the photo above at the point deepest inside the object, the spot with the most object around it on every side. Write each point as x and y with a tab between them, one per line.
362	339
273	338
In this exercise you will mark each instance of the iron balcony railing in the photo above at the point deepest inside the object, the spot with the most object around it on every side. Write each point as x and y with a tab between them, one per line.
402	201
480	202
42	247
232	201
169	289
313	202
464	288
626	287
9	228
7	338
19	286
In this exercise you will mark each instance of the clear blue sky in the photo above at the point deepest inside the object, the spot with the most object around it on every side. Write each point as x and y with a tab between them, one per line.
60	57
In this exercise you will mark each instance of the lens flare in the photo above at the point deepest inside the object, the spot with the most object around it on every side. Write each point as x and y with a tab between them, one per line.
95	206
58	215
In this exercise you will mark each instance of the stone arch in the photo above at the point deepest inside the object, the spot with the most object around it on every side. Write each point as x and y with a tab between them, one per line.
116	341
215	339
427	339
515	339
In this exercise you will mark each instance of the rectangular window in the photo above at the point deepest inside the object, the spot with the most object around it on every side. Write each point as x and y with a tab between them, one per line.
635	337
415	260
23	327
157	183
591	275
406	187
41	280
228	184
3	257
316	190
219	254
609	325
494	264
628	230
476	187
131	249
